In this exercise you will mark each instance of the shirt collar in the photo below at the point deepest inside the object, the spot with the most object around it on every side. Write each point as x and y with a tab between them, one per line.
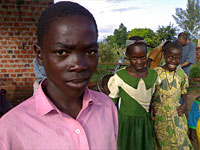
44	105
90	97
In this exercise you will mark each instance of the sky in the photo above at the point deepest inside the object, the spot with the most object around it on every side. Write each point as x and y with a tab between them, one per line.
109	14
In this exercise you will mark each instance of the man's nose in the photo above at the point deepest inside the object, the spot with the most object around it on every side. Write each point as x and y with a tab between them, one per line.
78	63
139	61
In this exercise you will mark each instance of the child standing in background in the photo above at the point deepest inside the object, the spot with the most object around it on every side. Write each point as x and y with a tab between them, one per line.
133	87
170	123
194	121
104	84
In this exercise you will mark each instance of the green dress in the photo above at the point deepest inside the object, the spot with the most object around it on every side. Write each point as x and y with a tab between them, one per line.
170	129
134	96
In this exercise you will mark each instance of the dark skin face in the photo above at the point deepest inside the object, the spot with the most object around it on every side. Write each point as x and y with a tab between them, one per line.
69	55
172	59
137	57
182	41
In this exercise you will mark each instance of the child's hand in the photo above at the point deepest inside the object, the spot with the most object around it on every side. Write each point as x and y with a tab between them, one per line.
152	113
192	134
181	109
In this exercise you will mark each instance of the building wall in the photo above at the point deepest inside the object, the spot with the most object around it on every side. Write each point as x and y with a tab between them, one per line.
17	36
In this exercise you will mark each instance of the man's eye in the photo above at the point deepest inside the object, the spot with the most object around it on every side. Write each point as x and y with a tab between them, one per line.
144	57
91	52
170	57
61	53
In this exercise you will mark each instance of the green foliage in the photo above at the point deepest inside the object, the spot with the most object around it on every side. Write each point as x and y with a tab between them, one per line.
189	19
100	69
153	39
105	52
108	52
166	33
111	40
145	33
195	71
120	35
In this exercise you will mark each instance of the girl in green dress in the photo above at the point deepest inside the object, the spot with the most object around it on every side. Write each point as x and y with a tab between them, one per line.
170	123
132	88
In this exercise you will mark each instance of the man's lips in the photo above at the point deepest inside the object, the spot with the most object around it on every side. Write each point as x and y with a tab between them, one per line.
172	65
141	66
77	80
77	83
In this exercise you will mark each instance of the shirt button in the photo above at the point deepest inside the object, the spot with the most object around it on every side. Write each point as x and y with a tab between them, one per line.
78	131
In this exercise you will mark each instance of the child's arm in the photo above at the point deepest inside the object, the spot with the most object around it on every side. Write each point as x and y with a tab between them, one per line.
113	88
184	85
192	134
181	109
152	111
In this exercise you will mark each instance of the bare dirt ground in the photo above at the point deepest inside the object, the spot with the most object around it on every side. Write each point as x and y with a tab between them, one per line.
192	94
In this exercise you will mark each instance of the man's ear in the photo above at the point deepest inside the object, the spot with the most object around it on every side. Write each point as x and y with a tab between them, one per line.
38	54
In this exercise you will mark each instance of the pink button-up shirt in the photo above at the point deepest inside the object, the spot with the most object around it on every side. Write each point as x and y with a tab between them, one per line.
38	124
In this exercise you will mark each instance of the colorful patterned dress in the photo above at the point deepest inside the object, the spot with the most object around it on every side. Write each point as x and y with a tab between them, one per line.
134	96
170	129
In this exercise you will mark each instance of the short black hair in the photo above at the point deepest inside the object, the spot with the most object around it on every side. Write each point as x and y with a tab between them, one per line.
165	44
172	45
183	35
105	79
136	38
60	9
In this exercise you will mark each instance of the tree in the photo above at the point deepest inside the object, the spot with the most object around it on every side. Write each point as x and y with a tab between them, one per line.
189	19
111	39
118	38
166	33
145	33
120	35
105	52
108	52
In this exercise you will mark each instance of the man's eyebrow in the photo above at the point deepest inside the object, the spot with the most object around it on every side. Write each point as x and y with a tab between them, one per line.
95	44
65	45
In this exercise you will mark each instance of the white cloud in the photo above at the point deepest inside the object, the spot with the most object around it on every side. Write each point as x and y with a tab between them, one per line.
132	13
125	9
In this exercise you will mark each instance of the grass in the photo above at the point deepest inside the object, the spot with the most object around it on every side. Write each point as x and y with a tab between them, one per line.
193	88
195	71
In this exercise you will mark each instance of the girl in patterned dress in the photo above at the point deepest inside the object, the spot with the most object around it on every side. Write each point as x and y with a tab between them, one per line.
133	87
170	123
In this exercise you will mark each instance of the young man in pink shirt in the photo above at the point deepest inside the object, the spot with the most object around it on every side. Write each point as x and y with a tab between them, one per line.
63	113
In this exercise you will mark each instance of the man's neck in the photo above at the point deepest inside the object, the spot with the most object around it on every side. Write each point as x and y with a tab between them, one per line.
188	41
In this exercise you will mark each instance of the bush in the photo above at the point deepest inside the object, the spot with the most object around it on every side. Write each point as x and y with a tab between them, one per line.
108	53
195	71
